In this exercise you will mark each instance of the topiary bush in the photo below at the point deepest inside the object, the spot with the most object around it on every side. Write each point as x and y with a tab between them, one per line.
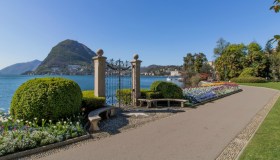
46	98
167	89
91	102
248	80
154	85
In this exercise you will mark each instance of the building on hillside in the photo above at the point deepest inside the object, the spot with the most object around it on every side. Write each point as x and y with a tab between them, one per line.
148	74
175	73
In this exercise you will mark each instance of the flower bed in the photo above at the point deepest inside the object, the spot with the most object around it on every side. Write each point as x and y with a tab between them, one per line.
208	84
19	135
201	94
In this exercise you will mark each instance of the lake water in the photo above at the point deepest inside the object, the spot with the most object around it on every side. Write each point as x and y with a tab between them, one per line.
9	84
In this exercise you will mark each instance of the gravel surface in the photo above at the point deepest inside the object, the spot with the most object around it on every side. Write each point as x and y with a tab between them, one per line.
119	123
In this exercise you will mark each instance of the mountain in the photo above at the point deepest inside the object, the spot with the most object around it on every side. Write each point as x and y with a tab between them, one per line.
67	57
20	68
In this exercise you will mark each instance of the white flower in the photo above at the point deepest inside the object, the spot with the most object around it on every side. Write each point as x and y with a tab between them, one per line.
64	122
18	121
50	121
35	118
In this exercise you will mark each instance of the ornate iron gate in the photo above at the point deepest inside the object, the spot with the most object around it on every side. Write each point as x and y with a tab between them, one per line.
118	83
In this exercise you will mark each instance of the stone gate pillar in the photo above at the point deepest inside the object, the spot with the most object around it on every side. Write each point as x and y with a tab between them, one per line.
135	64
99	63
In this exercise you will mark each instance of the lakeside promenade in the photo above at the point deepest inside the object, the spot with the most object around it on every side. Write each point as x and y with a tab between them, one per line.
196	134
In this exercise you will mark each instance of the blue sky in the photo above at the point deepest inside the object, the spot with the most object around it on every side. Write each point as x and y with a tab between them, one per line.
160	31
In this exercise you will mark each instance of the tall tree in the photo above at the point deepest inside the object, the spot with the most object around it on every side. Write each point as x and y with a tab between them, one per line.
275	66
268	49
230	63
200	59
258	60
220	47
189	65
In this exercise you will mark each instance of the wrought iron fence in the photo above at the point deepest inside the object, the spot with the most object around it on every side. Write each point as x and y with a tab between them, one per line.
118	78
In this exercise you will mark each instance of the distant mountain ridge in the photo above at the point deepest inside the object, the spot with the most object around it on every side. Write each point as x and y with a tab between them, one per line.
67	57
20	68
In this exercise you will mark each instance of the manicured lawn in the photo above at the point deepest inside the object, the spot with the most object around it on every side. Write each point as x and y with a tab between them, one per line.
266	142
274	85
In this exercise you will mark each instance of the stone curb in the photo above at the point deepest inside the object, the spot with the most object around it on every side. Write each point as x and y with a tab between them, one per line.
213	99
235	148
44	148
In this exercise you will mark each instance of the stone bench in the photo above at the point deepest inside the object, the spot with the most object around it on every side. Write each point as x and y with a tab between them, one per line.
94	116
154	101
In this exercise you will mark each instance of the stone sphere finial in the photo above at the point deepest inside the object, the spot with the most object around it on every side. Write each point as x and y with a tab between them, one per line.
136	56
100	52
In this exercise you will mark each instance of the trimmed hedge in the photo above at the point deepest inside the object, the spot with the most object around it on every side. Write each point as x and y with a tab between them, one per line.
124	95
90	102
153	95
167	89
158	89
46	98
248	80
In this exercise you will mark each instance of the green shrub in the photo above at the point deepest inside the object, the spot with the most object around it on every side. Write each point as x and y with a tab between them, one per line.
124	95
46	98
167	89
247	72
154	85
248	80
153	95
90	102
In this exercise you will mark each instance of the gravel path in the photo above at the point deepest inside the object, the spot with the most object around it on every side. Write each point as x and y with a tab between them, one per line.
200	133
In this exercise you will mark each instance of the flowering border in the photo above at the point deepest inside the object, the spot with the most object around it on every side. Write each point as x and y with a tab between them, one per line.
44	148
216	98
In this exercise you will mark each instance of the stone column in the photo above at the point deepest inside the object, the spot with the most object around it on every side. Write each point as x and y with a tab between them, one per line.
135	79
99	63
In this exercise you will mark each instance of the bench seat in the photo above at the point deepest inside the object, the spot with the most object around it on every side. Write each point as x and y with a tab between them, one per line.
154	101
94	116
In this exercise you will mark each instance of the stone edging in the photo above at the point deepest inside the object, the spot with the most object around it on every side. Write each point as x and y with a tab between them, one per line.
44	148
213	99
234	149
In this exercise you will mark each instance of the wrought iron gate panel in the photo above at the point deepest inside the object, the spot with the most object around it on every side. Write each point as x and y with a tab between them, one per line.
118	77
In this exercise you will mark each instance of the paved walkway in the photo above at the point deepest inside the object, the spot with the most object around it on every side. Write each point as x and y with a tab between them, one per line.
196	134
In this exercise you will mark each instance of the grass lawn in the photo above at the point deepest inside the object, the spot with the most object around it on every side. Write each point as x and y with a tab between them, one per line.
265	145
274	85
